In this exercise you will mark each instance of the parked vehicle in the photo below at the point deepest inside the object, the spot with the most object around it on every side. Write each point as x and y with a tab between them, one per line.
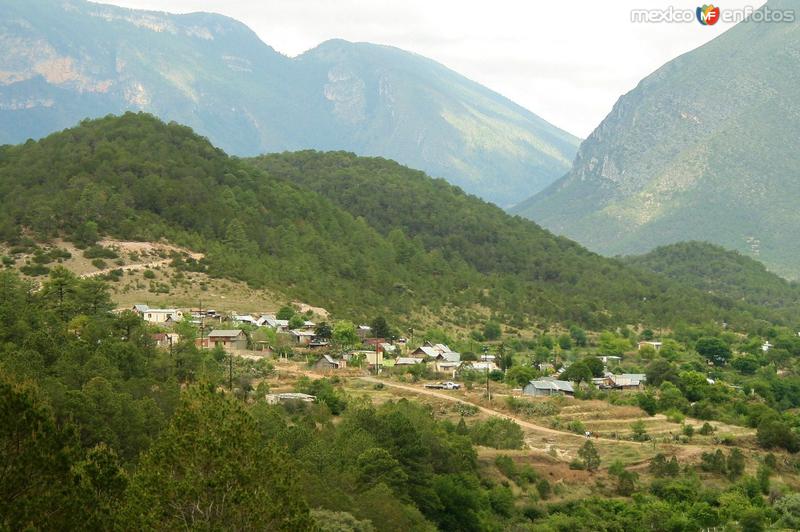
444	386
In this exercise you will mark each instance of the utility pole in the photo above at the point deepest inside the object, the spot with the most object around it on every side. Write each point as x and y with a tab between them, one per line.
485	361
230	372
202	325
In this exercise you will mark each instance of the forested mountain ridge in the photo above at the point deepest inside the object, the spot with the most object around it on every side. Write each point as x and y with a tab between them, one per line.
704	148
718	271
407	243
64	61
537	270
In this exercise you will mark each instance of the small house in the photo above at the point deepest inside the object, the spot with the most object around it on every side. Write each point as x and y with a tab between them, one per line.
387	348
407	361
371	358
158	315
327	363
654	345
479	366
548	387
269	320
625	381
424	351
302	337
245	318
228	339
165	340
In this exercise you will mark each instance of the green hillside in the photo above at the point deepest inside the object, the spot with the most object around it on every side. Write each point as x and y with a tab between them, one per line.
705	148
534	271
65	61
355	235
715	270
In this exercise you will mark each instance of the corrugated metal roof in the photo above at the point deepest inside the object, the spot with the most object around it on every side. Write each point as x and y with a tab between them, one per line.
228	333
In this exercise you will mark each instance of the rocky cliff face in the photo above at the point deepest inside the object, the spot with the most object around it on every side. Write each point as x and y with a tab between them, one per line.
67	60
705	148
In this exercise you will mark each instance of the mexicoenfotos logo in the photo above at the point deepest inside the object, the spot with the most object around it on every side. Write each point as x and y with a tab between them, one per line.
708	15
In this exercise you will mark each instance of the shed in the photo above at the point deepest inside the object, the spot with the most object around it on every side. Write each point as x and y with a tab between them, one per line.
327	362
547	387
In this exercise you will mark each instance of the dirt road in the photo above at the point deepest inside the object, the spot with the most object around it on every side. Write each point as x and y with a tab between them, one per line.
521	422
128	268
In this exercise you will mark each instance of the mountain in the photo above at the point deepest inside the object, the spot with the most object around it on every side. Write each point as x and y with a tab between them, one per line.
721	272
63	61
358	236
705	148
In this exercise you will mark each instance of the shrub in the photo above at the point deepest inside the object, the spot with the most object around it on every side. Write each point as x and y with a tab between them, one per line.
506	466
577	465
647	403
100	264
543	487
149	274
714	462
498	433
675	416
735	464
660	467
492	330
465	409
773	432
532	408
639	431
35	270
707	429
589	455
576	426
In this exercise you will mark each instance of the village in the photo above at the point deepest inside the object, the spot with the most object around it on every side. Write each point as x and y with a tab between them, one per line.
266	335
554	402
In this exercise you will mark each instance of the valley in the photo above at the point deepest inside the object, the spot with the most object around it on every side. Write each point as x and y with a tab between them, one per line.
354	291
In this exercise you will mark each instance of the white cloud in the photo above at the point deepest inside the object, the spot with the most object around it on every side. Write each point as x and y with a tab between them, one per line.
566	62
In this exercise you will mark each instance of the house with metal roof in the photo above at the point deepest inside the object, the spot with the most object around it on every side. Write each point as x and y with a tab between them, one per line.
327	362
625	381
228	339
548	387
407	361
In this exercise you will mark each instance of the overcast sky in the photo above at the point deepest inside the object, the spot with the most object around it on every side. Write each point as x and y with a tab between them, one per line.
568	62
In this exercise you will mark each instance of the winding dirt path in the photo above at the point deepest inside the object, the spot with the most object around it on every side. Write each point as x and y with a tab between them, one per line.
521	422
128	268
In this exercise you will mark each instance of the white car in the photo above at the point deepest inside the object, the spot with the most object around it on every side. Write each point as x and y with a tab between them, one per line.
444	386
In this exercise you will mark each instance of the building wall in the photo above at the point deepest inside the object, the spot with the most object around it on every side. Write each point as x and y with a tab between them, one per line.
228	343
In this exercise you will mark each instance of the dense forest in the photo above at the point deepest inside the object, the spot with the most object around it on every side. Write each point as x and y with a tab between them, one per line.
97	434
718	271
354	235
